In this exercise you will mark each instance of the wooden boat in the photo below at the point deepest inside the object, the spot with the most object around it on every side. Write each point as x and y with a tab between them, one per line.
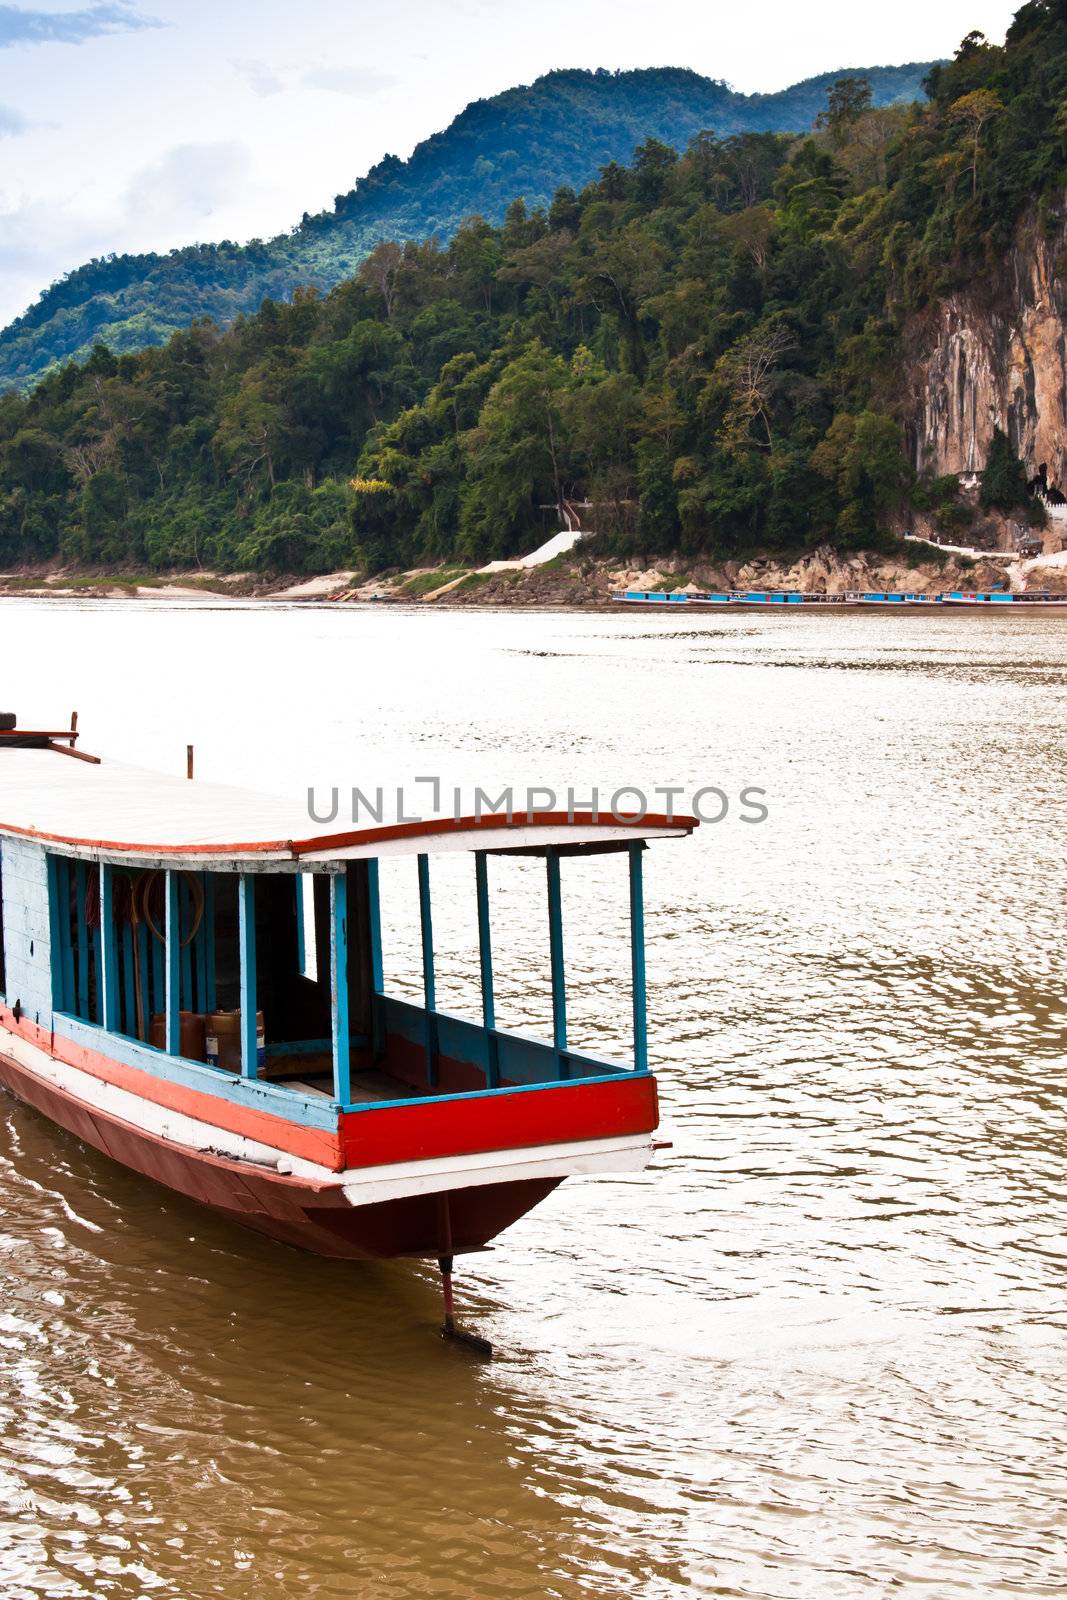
858	600
139	908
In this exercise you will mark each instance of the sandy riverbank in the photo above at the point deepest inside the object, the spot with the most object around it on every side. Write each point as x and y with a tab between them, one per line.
571	580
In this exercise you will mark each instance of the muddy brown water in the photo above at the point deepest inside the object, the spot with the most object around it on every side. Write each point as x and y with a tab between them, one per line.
818	1351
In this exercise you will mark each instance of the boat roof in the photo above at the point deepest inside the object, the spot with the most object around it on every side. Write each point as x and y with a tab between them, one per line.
109	810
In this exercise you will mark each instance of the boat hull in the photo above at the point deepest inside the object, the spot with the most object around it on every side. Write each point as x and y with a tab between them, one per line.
441	1204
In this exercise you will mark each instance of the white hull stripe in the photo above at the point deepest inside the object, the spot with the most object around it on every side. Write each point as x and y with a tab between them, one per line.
360	1186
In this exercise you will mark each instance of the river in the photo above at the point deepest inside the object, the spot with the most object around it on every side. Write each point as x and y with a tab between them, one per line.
818	1350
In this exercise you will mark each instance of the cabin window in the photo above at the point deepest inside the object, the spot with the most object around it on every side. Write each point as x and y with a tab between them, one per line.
3	973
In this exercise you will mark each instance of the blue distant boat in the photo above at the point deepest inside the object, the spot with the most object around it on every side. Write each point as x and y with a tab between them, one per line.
853	600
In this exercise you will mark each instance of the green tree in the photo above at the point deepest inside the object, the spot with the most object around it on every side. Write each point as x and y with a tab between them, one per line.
1004	485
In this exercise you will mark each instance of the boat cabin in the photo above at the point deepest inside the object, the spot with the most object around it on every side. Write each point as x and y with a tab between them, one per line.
211	951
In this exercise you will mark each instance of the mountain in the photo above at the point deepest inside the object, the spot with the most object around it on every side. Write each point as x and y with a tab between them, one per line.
530	141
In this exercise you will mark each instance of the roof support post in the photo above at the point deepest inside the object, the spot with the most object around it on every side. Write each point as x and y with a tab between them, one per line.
172	1029
555	946
342	1059
109	948
637	956
429	986
485	956
301	937
246	910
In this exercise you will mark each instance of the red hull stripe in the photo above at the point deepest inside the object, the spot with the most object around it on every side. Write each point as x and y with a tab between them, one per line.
323	1146
519	1120
369	836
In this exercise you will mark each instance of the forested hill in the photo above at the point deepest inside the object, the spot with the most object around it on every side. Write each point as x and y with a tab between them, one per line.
709	345
529	141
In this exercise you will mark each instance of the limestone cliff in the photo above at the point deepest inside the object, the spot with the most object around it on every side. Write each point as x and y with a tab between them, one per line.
994	356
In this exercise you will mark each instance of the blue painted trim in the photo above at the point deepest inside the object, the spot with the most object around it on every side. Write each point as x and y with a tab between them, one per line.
307	1047
637	957
210	998
109	949
246	915
342	1063
172	924
555	946
485	958
288	1105
429	983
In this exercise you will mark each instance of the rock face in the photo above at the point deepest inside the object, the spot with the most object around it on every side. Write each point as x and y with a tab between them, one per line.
995	357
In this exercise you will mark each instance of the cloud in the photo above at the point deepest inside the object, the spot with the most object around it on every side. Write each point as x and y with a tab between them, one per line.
20	26
260	78
189	182
358	81
12	122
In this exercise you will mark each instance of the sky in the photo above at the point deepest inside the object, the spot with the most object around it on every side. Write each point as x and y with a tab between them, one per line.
146	124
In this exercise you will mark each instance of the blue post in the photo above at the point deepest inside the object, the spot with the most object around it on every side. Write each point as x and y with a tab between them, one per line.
485	954
555	945
429	986
374	918
55	928
342	1065
246	909
637	955
374	898
301	942
109	950
173	961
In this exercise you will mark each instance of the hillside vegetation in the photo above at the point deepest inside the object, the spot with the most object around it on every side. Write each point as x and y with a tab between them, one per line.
706	345
529	141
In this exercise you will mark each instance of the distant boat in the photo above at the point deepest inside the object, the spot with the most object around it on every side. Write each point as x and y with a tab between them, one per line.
192	981
856	600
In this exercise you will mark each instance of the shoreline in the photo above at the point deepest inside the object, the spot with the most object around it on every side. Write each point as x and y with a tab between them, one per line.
571	581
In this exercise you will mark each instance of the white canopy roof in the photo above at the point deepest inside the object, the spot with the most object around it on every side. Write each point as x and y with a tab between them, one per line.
119	812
